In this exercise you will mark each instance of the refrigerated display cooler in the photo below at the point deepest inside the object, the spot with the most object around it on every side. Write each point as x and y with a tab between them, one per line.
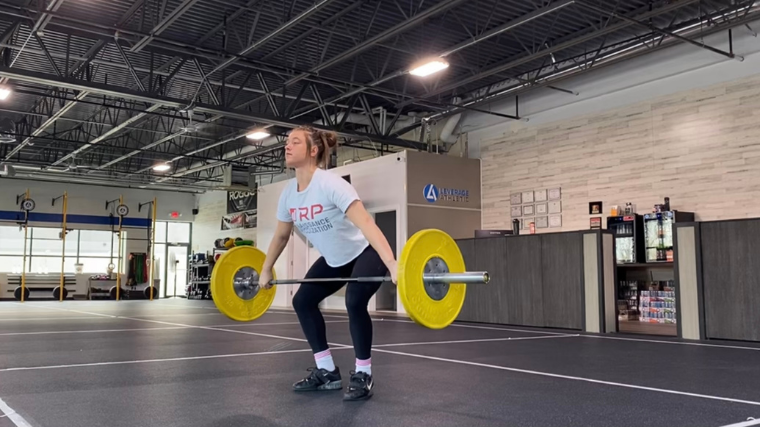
658	234
629	238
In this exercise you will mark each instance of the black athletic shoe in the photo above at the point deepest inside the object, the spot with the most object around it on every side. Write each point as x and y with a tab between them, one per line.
359	387
320	379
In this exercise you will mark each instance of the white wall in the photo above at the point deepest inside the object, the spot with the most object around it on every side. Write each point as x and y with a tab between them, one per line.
380	183
700	147
679	122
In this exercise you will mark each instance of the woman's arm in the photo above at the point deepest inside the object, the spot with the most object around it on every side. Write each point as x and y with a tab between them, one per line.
279	241
358	215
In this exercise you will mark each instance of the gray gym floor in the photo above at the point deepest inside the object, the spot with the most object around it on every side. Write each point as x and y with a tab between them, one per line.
181	363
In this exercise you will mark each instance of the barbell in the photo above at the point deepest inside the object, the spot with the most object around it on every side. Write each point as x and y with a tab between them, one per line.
431	280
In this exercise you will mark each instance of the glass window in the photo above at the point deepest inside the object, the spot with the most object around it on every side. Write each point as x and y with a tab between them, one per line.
179	232
12	264
97	243
72	243
46	233
11	241
95	265
46	247
160	232
47	242
50	265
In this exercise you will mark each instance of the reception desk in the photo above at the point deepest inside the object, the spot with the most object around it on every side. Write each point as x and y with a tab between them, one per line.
568	280
553	280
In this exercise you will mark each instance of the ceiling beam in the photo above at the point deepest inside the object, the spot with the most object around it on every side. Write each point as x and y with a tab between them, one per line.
164	24
274	34
83	62
450	51
660	30
120	92
538	55
373	41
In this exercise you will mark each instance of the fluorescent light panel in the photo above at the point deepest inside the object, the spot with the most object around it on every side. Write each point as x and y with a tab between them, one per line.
259	134
429	67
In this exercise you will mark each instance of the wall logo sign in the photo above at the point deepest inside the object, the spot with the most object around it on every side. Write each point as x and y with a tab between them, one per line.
433	194
241	201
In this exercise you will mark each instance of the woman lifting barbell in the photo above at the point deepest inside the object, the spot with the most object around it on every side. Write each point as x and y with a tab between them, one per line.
328	211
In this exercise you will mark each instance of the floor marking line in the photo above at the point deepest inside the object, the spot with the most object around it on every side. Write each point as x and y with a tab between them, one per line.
526	371
73	311
232	331
573	378
12	415
334	346
696	344
490	328
180	315
505	329
748	423
116	316
268	324
374	318
172	359
46	318
94	331
473	341
180	307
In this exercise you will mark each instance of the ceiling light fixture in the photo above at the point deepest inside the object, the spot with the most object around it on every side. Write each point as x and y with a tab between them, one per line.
4	93
259	134
428	67
162	167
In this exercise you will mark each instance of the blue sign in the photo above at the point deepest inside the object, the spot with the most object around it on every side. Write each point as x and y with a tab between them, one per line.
432	194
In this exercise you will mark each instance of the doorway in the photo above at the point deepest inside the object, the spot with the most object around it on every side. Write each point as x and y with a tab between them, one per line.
386	296
176	270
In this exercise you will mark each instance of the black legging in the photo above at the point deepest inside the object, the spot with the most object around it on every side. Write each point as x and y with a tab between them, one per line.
309	295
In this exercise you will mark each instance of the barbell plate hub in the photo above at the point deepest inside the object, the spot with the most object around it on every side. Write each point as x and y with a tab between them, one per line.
418	251
231	278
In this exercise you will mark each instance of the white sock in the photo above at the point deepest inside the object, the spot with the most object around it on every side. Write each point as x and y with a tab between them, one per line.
364	365
324	360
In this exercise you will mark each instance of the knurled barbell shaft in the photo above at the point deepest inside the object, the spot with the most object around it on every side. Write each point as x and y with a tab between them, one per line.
468	277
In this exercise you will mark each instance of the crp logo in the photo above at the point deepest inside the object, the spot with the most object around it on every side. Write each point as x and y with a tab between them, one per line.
430	193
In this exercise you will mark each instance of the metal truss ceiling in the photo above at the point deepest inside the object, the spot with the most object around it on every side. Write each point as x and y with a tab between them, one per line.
105	89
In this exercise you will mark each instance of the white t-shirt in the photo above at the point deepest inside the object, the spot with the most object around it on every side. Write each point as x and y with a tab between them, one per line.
319	213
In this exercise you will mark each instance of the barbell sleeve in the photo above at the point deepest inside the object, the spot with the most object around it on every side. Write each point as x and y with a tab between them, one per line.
468	277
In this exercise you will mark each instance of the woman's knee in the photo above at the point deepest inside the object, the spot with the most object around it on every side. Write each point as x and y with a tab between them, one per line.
303	302
357	302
